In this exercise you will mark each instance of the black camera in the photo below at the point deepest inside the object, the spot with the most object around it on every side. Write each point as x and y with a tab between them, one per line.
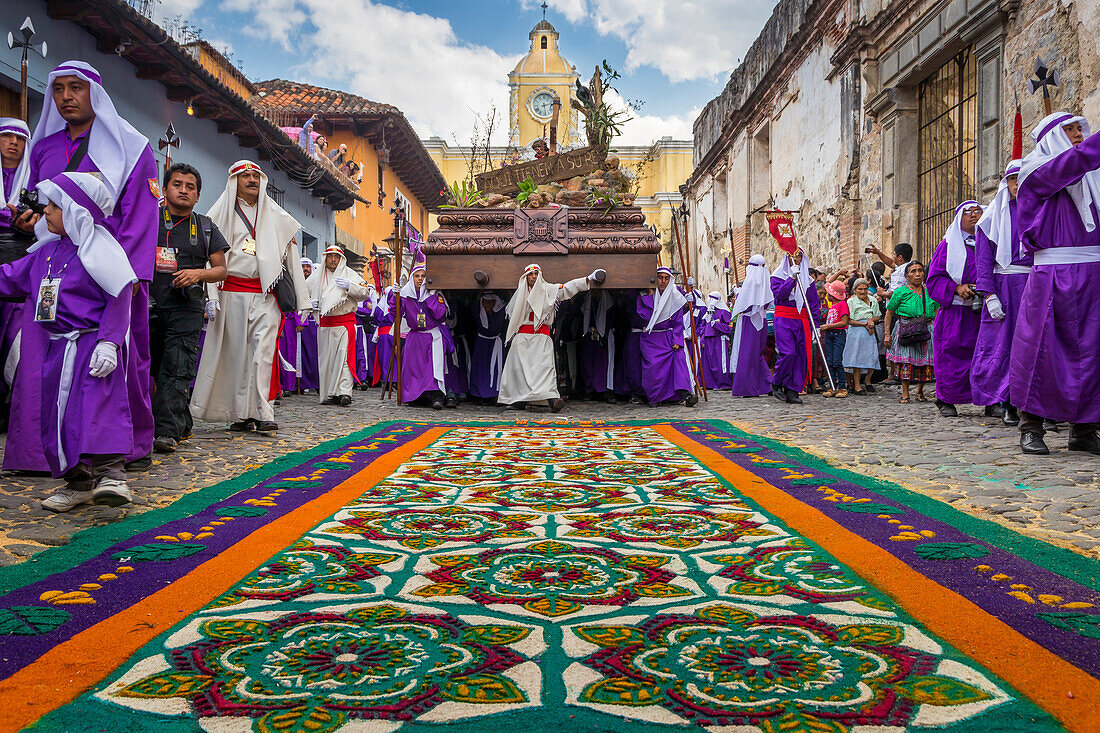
194	292
28	201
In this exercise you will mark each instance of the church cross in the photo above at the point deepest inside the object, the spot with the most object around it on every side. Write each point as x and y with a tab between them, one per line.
1045	77
544	7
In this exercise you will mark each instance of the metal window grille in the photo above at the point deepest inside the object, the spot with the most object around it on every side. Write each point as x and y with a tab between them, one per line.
275	194
947	148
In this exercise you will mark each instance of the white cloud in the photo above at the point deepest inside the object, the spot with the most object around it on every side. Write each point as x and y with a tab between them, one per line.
643	129
683	39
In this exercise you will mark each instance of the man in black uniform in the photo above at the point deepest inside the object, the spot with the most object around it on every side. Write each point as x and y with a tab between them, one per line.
190	253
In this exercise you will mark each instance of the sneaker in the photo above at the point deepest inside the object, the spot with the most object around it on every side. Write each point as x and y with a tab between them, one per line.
111	492
140	465
66	499
267	428
345	400
164	445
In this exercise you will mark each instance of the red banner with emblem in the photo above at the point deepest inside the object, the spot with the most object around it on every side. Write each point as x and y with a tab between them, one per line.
781	226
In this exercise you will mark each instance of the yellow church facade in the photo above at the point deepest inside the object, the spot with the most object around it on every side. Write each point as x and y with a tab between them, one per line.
542	74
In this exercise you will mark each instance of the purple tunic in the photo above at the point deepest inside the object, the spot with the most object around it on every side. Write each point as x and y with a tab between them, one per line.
308	374
363	351
96	420
715	345
417	373
1054	370
955	330
381	369
664	366
752	377
989	369
628	371
793	355
288	350
134	224
5	212
484	382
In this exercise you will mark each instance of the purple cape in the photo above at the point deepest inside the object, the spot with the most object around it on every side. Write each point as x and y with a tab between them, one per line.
955	330
664	373
288	350
752	377
792	349
417	375
715	345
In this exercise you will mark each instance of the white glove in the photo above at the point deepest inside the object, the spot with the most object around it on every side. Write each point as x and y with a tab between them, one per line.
595	276
691	281
993	305
304	315
342	282
315	304
212	308
104	359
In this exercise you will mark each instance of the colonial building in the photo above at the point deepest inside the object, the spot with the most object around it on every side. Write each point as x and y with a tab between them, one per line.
873	119
541	74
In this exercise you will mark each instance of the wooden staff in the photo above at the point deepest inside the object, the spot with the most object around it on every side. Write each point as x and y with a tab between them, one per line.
700	384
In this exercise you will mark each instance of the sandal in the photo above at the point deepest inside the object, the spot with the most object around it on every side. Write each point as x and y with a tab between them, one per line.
904	400
859	393
921	398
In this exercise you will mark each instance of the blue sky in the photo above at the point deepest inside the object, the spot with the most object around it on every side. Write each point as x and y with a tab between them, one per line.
443	61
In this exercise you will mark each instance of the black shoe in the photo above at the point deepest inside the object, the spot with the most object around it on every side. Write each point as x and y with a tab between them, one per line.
791	397
635	399
141	464
557	405
779	393
1050	426
164	445
1011	418
994	411
1089	443
1032	444
437	403
947	409
243	426
344	400
869	388
331	400
267	428
451	401
691	400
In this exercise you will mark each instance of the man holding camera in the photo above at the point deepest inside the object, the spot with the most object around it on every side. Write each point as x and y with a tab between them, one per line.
190	253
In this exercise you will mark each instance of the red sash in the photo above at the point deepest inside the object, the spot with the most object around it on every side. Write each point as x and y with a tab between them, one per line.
347	322
528	328
786	311
233	284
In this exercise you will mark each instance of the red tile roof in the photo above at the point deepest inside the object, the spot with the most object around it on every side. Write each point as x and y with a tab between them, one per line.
288	95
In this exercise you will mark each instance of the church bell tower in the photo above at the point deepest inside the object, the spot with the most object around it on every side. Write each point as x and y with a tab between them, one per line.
532	85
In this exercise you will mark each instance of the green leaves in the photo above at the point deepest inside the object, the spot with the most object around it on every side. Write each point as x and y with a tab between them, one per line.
1085	624
950	550
31	620
157	552
526	188
462	195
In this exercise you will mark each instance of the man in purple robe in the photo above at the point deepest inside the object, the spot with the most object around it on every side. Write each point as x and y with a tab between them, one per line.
426	342
796	302
714	339
78	280
952	276
306	357
1054	369
1002	271
14	134
288	354
751	375
597	346
666	374
487	357
364	329
80	130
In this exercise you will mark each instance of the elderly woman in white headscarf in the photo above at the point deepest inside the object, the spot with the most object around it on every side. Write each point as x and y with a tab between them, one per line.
714	335
952	274
751	375
529	373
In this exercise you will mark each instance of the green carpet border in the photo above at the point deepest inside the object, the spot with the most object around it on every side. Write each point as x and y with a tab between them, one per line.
89	542
1072	565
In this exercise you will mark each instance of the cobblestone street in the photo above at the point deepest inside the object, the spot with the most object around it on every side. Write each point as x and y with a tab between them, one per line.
972	462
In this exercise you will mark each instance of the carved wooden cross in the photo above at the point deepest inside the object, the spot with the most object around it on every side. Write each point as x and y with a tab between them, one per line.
169	141
1045	77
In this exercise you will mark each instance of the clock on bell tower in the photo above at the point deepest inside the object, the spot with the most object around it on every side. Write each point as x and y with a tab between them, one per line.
540	76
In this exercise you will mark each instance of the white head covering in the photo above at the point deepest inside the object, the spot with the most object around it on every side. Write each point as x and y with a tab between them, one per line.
322	283
409	289
1050	142
715	302
666	304
541	298
498	304
85	202
785	272
996	221
755	296
274	227
113	143
957	242
16	126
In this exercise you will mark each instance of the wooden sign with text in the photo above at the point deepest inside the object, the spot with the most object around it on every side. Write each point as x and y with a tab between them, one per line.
552	168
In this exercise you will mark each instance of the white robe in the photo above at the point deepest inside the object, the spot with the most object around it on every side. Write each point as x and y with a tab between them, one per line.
234	377
529	374
332	341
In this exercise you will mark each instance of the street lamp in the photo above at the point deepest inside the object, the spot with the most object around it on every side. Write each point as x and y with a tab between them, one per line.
23	41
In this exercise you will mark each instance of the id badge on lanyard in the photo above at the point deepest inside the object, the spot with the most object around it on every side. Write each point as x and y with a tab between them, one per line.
45	305
166	260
